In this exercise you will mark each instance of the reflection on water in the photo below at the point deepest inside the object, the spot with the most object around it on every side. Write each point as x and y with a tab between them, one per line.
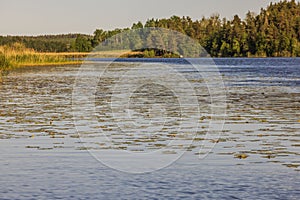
256	156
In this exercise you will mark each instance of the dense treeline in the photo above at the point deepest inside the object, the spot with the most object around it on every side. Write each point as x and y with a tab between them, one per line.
275	31
45	43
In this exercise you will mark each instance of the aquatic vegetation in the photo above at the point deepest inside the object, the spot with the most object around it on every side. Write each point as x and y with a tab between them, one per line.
32	147
292	165
17	55
39	105
241	155
4	62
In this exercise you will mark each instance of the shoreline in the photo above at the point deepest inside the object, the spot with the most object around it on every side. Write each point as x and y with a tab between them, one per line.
49	64
104	56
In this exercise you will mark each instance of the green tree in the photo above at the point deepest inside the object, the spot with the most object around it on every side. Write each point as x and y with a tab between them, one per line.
99	36
83	44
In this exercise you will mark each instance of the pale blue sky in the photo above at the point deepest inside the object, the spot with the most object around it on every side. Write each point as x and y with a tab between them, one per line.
32	17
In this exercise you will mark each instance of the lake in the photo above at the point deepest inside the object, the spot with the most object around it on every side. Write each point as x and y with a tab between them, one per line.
63	133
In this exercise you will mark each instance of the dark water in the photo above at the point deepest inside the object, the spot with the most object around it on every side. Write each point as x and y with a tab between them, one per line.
43	158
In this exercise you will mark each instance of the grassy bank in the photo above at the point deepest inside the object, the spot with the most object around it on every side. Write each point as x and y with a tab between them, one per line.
17	55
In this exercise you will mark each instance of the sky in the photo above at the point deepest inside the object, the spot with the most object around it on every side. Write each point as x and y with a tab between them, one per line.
35	17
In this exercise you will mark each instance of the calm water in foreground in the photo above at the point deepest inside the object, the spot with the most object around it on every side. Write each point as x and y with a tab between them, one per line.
257	155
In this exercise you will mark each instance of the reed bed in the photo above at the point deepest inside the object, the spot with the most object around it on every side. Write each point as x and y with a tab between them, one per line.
17	55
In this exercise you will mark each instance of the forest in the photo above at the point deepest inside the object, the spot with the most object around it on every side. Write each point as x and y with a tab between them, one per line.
274	32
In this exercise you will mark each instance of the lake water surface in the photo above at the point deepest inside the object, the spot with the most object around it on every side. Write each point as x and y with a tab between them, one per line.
256	155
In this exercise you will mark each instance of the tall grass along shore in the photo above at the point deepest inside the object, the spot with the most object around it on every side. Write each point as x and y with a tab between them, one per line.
17	55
